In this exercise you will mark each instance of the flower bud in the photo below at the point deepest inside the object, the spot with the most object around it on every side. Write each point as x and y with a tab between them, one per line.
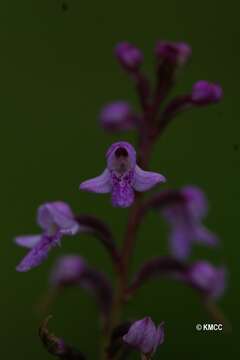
71	270
129	56
117	116
173	53
205	93
68	270
144	336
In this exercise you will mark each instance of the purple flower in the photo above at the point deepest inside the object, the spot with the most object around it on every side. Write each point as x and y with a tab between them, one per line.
145	336
129	56
68	270
122	176
117	116
209	279
173	53
184	213
204	93
56	219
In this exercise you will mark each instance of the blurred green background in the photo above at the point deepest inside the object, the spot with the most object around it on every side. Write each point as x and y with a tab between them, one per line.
57	70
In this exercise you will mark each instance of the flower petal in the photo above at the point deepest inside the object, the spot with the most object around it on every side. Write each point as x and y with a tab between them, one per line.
38	253
113	157
74	229
57	213
204	236
180	242
145	180
160	336
196	201
150	337
208	278
100	184
28	241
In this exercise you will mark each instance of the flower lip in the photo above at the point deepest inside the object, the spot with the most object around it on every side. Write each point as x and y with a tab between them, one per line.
38	253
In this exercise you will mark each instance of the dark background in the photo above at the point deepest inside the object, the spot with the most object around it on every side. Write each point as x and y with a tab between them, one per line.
57	70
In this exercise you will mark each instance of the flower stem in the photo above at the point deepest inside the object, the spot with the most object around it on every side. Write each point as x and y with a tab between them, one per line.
148	134
122	278
130	236
135	217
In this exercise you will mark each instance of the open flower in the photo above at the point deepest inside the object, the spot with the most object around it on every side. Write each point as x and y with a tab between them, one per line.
207	278
56	220
122	176
145	336
184	213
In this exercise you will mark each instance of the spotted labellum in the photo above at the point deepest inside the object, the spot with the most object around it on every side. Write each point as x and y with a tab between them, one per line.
123	176
126	177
